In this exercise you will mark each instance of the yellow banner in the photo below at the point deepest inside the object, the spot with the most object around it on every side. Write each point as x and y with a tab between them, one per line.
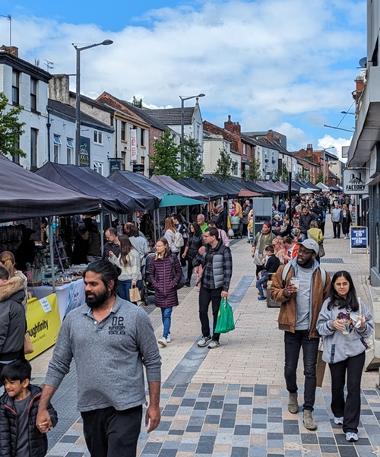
43	323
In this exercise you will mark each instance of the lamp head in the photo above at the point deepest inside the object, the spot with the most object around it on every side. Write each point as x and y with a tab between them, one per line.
107	42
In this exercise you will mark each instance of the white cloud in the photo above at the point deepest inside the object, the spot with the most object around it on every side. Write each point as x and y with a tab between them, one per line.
295	135
264	60
329	141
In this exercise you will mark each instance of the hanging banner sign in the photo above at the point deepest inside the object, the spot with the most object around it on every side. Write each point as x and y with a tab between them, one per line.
133	136
354	181
43	323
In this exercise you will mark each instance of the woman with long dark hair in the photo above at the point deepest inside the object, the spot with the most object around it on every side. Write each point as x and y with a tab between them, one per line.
191	249
130	265
344	324
165	273
169	233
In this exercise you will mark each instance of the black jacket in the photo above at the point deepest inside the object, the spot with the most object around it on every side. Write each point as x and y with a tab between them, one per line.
272	264
12	326
38	443
305	222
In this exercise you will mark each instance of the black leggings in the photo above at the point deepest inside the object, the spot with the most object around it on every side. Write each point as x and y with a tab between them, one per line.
348	408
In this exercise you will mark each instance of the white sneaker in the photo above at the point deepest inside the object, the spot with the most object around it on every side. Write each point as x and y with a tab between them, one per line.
213	344
162	342
352	437
203	342
338	420
169	339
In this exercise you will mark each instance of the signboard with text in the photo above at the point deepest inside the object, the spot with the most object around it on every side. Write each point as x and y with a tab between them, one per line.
358	238
133	137
84	152
354	181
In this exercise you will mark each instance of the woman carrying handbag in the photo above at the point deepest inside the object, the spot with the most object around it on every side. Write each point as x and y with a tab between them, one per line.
165	273
344	324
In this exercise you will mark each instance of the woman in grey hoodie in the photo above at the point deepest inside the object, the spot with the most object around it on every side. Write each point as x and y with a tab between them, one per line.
344	324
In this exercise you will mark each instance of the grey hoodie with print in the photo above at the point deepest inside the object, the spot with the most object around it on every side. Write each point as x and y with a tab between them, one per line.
336	346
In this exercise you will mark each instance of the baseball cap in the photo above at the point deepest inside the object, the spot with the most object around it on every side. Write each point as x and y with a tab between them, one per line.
311	245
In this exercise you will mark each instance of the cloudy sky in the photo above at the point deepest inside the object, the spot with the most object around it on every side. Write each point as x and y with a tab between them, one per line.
288	65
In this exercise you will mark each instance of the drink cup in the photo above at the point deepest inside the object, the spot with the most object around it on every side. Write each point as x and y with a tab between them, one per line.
295	282
346	329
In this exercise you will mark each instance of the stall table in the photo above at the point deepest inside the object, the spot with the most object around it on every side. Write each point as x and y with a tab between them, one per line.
69	295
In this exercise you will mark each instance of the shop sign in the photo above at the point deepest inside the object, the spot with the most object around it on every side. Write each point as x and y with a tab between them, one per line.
84	152
43	323
115	165
133	139
354	181
359	237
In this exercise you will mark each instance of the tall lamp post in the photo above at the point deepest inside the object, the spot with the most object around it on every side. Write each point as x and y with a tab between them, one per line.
183	99
77	95
324	164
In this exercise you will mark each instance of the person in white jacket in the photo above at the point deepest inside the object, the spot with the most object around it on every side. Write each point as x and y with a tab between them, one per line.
130	265
344	324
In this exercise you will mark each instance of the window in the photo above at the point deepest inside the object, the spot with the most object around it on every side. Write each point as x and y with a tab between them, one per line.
234	168
33	148
70	150
98	137
142	137
57	148
33	94
123	131
98	167
15	87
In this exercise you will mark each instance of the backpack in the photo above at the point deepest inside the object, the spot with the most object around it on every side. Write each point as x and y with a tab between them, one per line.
178	240
182	279
286	269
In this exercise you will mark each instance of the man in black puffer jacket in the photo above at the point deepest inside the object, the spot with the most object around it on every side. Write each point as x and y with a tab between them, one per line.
12	325
19	435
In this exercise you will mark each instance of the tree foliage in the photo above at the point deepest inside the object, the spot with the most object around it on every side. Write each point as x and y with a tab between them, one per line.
166	156
224	165
191	153
10	129
254	170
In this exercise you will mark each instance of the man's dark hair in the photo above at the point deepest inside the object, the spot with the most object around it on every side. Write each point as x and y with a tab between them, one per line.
288	240
269	248
112	231
16	371
4	273
107	271
213	231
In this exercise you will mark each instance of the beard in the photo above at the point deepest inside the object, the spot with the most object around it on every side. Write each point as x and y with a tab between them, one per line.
95	301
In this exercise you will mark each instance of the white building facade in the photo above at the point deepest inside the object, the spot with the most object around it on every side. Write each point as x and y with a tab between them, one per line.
268	159
96	142
213	144
26	85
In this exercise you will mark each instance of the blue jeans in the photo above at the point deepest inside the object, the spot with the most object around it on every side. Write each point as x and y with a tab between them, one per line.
166	320
261	283
123	288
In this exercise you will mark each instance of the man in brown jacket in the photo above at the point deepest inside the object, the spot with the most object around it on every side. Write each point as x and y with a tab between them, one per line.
301	288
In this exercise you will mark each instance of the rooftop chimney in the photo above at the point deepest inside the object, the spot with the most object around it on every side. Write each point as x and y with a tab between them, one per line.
59	88
12	50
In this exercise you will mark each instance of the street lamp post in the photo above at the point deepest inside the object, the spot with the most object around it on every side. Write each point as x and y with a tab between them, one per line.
183	121
77	95
324	164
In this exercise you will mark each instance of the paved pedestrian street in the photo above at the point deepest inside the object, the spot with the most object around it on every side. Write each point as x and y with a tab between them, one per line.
232	401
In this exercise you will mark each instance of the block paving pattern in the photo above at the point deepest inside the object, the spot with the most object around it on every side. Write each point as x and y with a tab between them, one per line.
233	420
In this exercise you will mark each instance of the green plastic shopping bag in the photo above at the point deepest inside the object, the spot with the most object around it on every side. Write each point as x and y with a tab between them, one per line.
225	322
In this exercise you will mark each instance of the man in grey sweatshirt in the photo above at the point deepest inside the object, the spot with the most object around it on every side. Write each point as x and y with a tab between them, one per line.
336	219
110	341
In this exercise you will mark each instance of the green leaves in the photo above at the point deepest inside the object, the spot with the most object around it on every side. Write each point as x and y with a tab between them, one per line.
10	128
224	165
166	159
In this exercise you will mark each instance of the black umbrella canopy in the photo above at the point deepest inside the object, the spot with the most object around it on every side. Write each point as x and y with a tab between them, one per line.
24	194
200	186
139	184
88	181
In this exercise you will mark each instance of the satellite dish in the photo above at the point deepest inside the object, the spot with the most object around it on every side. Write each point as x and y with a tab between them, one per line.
363	62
